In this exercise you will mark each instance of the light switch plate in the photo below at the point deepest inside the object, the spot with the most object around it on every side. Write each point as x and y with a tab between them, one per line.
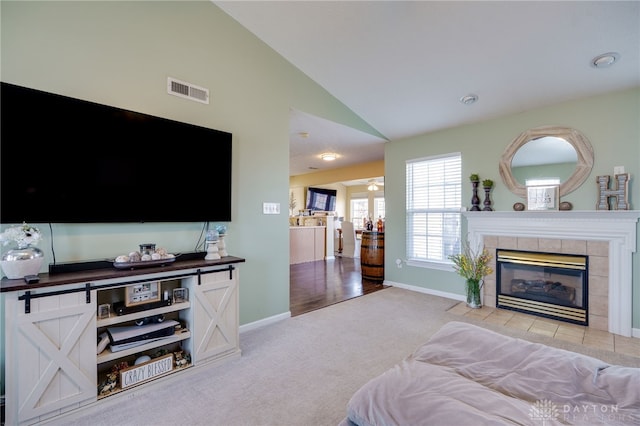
270	208
618	170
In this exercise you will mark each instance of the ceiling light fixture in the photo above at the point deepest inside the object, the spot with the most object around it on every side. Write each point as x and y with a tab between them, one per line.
605	60
329	156
373	185
469	99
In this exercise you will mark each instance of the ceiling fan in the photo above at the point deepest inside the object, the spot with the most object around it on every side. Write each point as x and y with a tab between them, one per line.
374	185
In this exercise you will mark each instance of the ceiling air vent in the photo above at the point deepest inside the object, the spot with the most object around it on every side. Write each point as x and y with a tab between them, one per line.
187	90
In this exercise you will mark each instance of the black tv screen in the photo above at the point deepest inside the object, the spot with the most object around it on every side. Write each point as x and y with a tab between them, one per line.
66	160
320	199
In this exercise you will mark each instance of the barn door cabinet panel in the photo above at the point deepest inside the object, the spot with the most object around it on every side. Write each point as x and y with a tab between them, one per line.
52	330
50	356
215	316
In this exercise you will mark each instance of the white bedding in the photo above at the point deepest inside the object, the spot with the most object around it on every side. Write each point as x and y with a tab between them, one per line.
468	375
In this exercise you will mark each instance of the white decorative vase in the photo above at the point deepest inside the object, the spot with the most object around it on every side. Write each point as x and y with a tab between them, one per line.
23	261
212	251
222	246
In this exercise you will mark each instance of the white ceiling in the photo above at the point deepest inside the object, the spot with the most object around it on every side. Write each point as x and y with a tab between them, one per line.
402	66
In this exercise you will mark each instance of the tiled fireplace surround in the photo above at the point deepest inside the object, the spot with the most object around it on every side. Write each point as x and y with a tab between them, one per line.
607	237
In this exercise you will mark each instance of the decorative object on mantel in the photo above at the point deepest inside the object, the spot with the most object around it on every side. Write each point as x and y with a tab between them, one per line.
147	256
518	207
212	235
473	267
26	259
618	192
222	246
211	241
213	252
487	184
542	197
475	200
566	206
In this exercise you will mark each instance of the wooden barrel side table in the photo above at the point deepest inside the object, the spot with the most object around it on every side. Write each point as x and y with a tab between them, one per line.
372	256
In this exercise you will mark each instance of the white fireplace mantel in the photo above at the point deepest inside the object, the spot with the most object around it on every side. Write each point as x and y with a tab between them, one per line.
618	227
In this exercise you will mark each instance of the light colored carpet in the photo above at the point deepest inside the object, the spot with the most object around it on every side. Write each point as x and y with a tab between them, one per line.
303	370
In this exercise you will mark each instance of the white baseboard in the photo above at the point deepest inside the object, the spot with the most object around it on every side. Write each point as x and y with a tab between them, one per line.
264	321
430	291
635	332
273	319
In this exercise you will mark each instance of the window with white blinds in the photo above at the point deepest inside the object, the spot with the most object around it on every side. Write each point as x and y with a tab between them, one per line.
433	208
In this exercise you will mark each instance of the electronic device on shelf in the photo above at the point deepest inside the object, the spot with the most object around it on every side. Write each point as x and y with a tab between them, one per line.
149	320
31	279
124	337
121	309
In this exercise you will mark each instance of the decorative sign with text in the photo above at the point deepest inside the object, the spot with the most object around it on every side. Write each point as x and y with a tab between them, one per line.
143	372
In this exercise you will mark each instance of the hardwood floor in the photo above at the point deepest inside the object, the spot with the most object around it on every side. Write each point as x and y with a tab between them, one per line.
315	285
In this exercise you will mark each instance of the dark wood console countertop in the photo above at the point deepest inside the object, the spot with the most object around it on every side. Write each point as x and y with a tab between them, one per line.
52	280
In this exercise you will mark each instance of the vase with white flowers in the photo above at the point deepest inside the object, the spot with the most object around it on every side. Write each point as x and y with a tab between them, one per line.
473	266
26	258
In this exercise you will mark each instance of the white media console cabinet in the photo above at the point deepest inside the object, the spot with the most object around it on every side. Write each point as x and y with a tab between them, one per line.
53	363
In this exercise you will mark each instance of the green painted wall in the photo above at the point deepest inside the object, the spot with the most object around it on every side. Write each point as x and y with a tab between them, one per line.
610	122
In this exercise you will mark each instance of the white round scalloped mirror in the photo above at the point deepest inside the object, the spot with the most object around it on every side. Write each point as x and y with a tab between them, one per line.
565	151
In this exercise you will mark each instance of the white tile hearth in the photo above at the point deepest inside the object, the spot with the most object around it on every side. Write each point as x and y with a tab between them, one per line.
578	334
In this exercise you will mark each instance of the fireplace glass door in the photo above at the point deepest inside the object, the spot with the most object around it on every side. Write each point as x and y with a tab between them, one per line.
544	284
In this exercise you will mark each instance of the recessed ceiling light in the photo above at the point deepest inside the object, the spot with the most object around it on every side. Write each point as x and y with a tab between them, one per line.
605	60
329	156
469	99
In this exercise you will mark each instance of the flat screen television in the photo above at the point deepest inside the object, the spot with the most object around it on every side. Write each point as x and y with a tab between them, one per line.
66	160
320	199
